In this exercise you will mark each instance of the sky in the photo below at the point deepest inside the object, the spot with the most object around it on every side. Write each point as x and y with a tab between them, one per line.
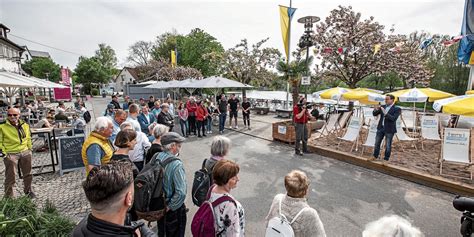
79	26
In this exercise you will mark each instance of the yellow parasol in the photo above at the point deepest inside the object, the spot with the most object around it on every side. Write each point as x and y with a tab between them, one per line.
460	105
471	92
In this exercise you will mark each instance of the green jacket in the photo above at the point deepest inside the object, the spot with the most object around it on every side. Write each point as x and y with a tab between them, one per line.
13	139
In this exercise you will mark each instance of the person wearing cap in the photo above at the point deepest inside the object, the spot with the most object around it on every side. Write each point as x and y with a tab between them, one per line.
109	112
174	222
165	117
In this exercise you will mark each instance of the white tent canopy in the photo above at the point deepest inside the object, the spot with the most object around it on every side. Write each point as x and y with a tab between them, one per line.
219	82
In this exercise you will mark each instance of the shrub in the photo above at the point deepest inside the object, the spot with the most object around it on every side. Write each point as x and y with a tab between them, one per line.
20	217
95	92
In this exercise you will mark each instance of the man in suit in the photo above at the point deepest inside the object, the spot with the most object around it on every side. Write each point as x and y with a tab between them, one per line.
387	125
145	119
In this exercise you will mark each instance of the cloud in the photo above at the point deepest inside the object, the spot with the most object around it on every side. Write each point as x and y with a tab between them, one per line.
79	26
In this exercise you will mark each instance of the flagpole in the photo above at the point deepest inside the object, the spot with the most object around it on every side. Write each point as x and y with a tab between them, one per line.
288	59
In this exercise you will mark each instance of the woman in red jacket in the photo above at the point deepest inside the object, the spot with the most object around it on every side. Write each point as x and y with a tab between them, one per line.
201	117
191	105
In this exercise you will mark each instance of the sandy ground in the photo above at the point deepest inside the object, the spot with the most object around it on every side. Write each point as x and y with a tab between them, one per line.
404	154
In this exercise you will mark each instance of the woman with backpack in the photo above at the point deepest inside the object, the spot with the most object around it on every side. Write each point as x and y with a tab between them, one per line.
156	147
299	217
230	216
125	142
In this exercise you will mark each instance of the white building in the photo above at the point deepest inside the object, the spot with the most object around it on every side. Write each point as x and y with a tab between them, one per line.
10	52
127	75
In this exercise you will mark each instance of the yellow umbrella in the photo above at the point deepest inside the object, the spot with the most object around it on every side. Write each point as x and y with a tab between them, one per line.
471	92
364	96
420	95
461	105
332	93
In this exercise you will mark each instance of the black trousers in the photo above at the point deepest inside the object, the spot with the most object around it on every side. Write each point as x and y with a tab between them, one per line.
201	126
173	224
246	119
192	124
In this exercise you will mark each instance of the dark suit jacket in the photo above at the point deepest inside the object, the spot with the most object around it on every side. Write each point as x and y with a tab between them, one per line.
144	123
389	120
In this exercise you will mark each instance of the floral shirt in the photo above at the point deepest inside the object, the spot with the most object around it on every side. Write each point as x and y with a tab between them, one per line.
234	214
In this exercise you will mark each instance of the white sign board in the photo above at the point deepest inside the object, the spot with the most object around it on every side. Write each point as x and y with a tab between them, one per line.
305	81
281	129
456	145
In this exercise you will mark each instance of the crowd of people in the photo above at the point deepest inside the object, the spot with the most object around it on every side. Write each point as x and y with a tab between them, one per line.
132	143
118	154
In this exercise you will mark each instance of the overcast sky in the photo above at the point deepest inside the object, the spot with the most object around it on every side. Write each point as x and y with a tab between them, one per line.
78	26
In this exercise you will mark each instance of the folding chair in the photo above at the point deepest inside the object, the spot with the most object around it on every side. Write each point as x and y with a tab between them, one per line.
367	115
465	122
429	129
341	124
410	120
329	127
352	132
371	134
455	149
402	136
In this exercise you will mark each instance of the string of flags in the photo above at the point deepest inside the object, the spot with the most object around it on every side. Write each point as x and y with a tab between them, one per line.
398	46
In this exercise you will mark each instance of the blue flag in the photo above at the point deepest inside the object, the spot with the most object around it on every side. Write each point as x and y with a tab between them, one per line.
466	46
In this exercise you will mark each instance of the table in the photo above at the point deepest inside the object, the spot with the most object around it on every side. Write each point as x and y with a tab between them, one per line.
48	131
284	113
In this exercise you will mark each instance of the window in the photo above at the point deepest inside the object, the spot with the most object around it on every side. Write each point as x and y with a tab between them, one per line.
2	48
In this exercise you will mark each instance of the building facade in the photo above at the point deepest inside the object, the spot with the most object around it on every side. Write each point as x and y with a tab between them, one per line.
10	52
127	75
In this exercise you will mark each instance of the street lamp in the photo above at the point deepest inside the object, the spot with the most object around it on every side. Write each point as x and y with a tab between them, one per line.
306	40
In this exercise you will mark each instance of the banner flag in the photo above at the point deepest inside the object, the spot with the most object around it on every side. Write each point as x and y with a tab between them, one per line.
286	14
466	46
173	58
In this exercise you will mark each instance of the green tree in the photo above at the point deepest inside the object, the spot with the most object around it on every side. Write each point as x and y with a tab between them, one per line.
450	75
385	82
293	72
248	64
193	49
164	44
106	56
90	72
42	68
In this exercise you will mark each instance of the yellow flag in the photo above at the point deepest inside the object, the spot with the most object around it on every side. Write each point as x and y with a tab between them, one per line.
286	13
173	58
471	60
377	48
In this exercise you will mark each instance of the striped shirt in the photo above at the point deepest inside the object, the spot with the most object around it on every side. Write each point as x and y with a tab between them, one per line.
174	181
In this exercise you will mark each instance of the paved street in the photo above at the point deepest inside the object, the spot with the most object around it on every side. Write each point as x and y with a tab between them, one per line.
347	197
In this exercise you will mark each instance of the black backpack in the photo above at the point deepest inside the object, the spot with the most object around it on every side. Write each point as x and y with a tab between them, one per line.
87	116
149	199
202	182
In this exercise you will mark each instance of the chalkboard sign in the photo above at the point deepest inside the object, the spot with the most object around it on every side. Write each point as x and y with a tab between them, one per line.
70	157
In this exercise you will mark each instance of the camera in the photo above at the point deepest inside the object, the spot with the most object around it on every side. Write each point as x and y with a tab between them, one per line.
300	105
466	206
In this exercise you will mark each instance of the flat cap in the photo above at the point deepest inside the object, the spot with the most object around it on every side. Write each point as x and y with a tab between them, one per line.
171	137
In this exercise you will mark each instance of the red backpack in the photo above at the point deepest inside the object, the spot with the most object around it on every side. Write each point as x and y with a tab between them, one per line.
204	223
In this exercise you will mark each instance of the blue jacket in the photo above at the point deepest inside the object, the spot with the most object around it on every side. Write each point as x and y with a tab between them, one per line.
144	122
389	120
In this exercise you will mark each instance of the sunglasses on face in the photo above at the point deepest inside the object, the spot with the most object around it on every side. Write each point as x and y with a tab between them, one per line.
12	115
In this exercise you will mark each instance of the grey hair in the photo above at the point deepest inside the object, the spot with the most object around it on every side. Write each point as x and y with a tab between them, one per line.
391	226
159	130
220	146
102	123
125	124
167	147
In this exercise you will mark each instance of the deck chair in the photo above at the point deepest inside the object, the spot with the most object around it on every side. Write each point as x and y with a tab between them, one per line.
329	127
402	136
367	112
465	122
429	129
371	133
352	132
409	118
341	124
455	149
443	119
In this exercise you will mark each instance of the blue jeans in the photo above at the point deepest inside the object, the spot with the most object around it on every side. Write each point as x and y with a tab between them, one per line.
388	143
209	124
184	127
222	121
